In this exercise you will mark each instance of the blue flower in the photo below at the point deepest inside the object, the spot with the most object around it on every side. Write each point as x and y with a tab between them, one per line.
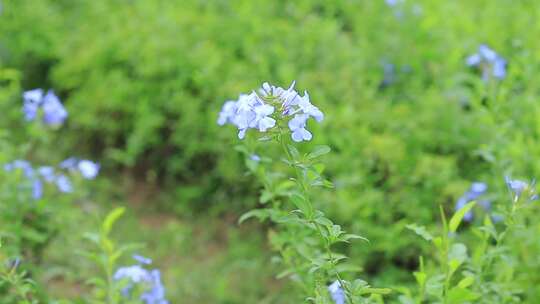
307	108
337	293
20	164
297	125
499	68
490	63
35	183
389	72
135	274
518	187
31	102
393	2
88	169
248	112
63	184
150	280
47	172
156	294
141	259
37	188
54	112
255	158
228	111
475	191
257	111
69	163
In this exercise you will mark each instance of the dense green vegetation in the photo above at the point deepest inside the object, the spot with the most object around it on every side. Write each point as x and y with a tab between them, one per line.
411	126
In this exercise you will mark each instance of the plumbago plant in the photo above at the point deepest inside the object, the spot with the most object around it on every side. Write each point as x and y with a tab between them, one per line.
119	285
484	273
305	237
15	286
36	200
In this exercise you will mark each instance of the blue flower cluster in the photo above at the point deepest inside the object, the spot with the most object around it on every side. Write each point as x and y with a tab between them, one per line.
149	280
257	110
489	62
54	112
88	169
48	174
476	190
337	293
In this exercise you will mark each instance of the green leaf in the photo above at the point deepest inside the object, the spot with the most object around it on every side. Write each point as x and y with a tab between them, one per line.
458	252
420	277
460	295
266	196
261	214
294	152
111	218
324	221
421	231
466	282
349	236
301	203
319	151
381	291
458	216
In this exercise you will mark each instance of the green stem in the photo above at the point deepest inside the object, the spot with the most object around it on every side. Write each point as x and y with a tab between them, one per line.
304	187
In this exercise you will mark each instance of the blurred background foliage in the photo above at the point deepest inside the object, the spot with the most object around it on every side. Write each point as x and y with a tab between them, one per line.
409	124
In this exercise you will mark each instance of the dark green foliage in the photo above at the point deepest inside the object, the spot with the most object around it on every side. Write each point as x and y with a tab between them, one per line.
144	80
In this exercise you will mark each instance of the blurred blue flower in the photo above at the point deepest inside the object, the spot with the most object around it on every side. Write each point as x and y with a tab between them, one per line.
150	280
156	294
20	164
389	74
54	112
475	191
489	62
141	259
31	102
47	172
135	274
37	188
518	187
63	184
255	157
69	163
88	169
337	293
393	2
